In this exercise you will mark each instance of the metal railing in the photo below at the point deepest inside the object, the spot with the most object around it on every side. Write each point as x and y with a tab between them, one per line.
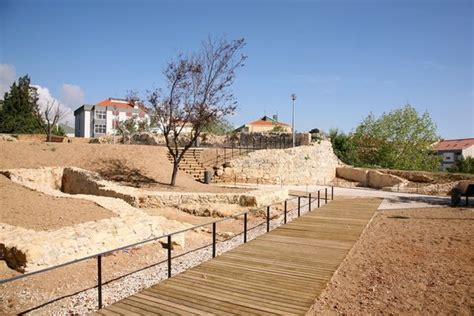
169	238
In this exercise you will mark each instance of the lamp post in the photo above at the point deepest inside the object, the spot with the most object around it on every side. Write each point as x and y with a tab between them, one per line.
293	98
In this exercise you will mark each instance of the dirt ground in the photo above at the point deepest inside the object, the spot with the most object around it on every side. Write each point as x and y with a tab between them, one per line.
20	206
417	261
133	165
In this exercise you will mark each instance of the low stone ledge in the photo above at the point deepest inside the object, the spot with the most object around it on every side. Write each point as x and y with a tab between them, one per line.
27	250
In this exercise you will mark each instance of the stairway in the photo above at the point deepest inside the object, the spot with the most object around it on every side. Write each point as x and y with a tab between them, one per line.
191	163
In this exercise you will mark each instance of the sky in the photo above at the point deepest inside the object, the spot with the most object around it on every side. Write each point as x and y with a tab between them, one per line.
342	58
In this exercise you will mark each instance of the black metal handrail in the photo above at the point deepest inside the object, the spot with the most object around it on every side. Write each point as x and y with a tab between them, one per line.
169	243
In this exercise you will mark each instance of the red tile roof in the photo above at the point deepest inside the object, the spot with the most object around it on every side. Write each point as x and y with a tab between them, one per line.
267	122
114	102
454	144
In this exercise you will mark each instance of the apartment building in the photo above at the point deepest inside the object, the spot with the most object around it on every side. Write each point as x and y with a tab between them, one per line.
102	118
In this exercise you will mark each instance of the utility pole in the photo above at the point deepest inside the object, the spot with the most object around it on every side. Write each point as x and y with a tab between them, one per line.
293	98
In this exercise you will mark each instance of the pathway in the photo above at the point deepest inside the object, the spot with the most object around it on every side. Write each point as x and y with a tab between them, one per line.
281	272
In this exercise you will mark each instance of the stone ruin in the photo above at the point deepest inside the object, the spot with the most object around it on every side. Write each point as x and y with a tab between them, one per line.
28	250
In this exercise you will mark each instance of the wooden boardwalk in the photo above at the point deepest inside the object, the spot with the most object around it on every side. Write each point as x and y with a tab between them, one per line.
281	272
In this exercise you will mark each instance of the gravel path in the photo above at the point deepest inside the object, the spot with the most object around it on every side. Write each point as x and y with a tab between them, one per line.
86	301
392	200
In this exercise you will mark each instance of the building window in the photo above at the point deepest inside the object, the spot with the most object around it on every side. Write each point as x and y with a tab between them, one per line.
99	129
100	115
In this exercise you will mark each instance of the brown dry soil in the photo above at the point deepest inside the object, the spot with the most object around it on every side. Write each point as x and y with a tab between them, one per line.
20	206
133	165
417	261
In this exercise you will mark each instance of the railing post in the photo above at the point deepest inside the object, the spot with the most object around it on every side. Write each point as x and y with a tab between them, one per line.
245	228
299	206
325	195
285	211
309	203
268	219
332	193
169	256
225	155
99	280
214	240
319	198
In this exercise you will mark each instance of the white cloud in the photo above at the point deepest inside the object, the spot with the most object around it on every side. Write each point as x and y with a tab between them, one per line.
7	76
72	95
45	97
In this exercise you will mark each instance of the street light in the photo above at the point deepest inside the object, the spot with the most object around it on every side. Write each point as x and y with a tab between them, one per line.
293	98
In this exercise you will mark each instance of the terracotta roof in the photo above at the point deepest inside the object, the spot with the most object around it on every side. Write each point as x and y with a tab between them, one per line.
454	144
267	121
115	102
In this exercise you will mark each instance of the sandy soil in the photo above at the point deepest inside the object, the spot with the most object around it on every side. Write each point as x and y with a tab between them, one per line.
417	261
23	207
134	165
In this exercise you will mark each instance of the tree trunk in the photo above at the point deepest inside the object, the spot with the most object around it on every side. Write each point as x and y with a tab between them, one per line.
175	173
48	136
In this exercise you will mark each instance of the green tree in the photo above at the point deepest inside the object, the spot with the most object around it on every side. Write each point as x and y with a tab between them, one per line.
464	165
219	126
400	139
343	146
58	131
20	111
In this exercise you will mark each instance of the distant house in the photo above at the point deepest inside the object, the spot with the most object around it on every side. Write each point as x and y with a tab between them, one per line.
452	149
265	124
102	118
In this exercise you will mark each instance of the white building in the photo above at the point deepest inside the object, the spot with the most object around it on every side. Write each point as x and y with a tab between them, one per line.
100	119
452	149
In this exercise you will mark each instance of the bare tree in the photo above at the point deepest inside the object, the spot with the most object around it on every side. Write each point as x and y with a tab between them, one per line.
197	93
51	116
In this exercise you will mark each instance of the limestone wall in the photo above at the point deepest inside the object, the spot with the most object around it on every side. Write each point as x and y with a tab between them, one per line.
378	180
300	165
254	198
370	178
352	174
80	181
47	177
29	250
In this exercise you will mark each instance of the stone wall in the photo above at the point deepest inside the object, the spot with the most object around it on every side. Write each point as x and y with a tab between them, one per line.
26	250
379	180
29	250
300	165
255	198
369	178
352	174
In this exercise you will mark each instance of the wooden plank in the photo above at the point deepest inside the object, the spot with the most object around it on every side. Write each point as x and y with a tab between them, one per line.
281	272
